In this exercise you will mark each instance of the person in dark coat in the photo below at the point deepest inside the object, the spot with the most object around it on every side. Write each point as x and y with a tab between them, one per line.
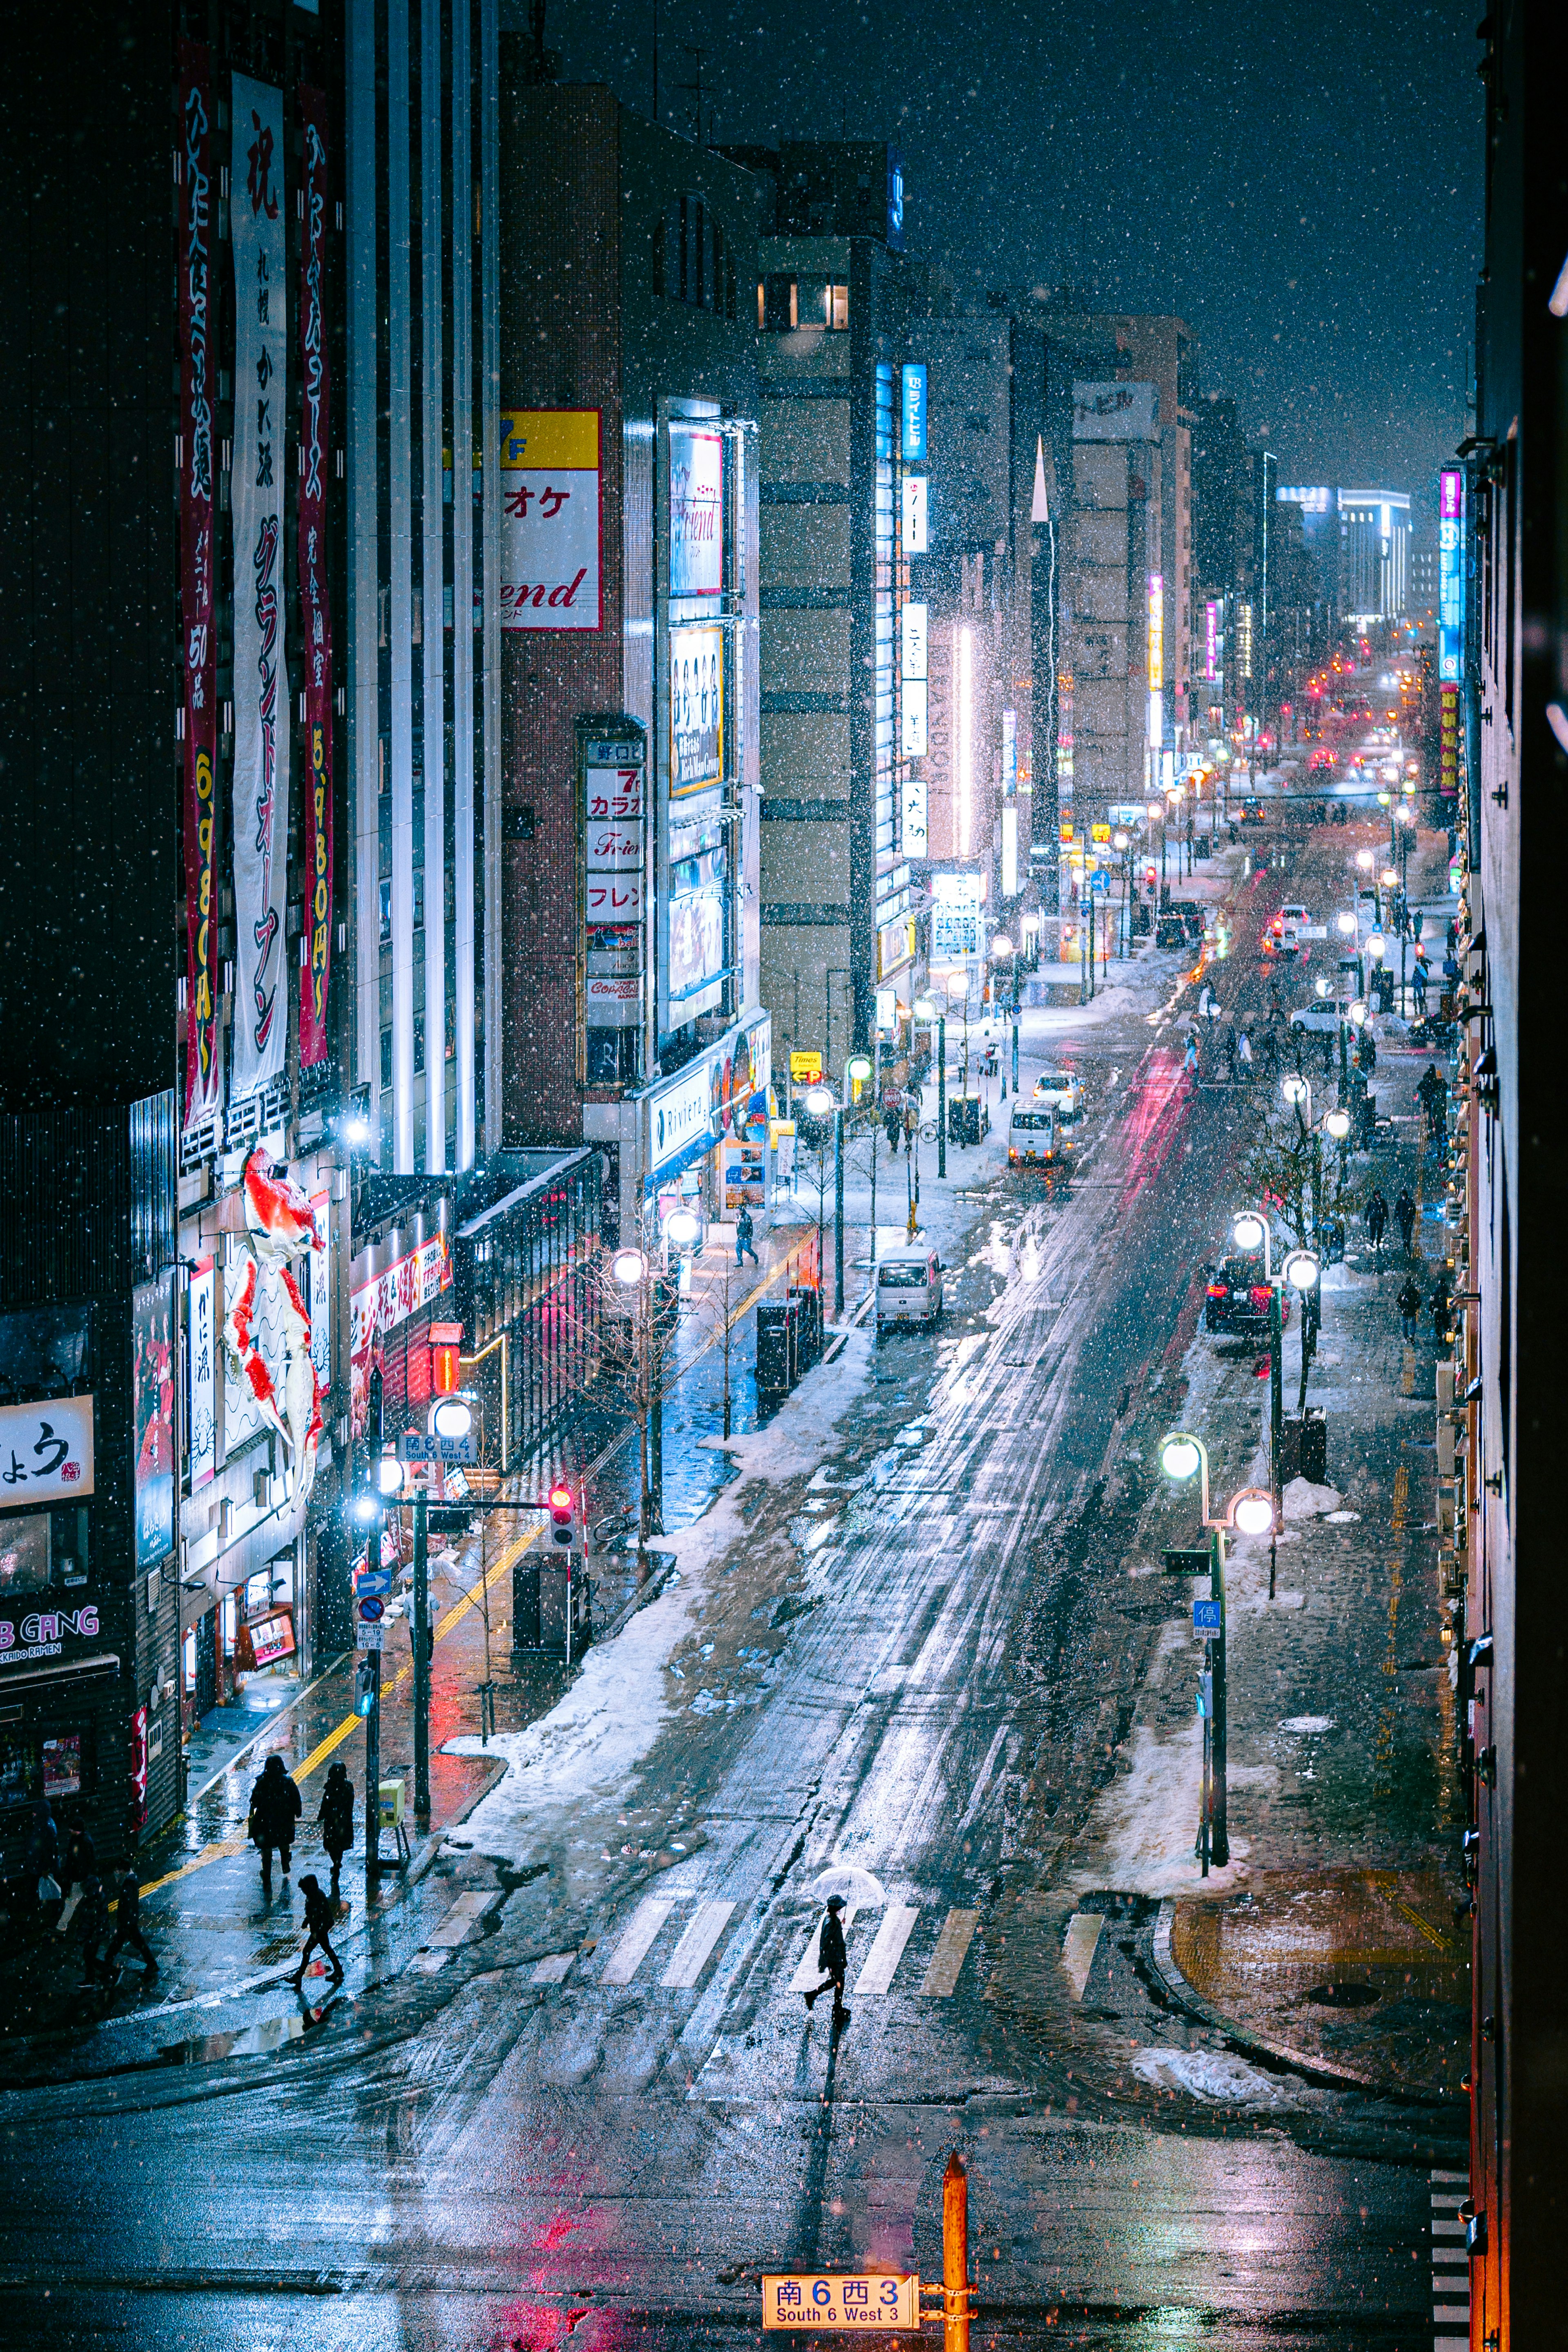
318	1916
1376	1219
128	1926
92	1927
274	1809
832	1959
1409	1305
1405	1218
336	1819
81	1862
745	1237
1442	1309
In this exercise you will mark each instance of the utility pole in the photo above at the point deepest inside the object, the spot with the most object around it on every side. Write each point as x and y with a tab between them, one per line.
838	1207
421	1632
955	2256
373	1718
1220	1841
875	1133
1276	1406
941	1094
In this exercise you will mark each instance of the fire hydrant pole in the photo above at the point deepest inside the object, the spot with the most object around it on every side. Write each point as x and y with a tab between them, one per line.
955	2256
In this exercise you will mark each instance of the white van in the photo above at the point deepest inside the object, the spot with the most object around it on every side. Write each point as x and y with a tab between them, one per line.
1037	1136
908	1286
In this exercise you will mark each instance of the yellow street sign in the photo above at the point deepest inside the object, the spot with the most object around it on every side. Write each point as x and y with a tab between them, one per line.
868	2300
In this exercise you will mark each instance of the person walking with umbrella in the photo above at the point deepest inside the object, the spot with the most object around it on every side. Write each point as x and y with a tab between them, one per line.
274	1809
832	1959
336	1818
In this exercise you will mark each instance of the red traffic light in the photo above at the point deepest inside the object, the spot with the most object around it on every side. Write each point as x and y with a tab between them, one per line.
560	1499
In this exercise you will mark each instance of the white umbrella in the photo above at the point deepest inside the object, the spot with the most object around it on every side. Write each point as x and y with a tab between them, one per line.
857	1886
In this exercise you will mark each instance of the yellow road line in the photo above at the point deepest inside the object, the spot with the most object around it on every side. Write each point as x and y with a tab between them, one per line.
222	1849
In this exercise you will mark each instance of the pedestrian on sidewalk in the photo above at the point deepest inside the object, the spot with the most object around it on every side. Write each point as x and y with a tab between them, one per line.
1405	1218
745	1237
1376	1220
1244	1054
128	1926
274	1809
336	1819
1433	1094
92	1927
1190	1059
1442	1309
319	1914
890	1120
1418	985
81	1862
832	1959
1409	1305
1232	1050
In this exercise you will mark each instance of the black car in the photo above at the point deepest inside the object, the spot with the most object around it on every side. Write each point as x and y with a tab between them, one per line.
1237	1298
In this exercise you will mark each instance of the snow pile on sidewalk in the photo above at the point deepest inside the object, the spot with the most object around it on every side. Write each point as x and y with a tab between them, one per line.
1302	1500
601	1729
1218	2078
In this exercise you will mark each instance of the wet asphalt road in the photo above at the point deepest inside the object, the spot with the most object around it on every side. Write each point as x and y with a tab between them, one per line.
481	2160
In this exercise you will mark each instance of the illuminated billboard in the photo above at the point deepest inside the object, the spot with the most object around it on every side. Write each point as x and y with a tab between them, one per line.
1450	575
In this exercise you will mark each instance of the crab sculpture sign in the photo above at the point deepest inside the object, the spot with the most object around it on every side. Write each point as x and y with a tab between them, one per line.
279	1228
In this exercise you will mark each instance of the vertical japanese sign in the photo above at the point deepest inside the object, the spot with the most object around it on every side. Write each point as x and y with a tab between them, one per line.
612	780
549	518
198	644
314	610
202	1434
152	1391
261	677
911	414
320	1299
1451	623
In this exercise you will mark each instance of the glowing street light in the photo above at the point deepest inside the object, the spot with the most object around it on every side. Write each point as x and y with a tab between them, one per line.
389	1474
629	1266
1252	1512
818	1101
1365	860
1337	1124
683	1228
1296	1089
453	1417
1302	1269
1344	924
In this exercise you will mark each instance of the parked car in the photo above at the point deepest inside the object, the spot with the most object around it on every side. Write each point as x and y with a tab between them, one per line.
1252	811
1321	1020
908	1287
1170	932
1237	1297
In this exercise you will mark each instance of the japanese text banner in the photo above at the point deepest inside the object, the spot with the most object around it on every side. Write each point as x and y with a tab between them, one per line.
198	647
315	612
261	677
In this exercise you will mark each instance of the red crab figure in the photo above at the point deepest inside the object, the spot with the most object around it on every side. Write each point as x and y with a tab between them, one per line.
278	1227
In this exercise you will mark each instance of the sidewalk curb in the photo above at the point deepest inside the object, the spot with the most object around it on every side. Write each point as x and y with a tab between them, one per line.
1311	2070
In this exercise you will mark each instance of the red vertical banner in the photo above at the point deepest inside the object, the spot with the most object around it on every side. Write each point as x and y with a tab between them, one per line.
197	512
314	610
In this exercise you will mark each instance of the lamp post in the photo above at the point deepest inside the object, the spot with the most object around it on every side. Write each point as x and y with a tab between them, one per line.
633	1273
1249	1512
821	1103
1124	935
1002	946
1249	1231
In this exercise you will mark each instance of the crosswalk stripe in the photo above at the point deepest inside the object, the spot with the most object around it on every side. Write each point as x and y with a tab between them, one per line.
809	1972
1450	2263
882	1960
553	1968
940	1977
690	1956
645	1923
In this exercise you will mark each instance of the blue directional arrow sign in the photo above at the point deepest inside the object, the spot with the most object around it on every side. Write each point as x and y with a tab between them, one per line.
1207	1617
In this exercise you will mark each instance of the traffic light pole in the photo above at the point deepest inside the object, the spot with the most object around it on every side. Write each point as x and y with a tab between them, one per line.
420	1630
1219	1833
941	1095
374	1738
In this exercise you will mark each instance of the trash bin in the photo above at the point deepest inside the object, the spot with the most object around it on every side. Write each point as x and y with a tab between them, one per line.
773	1370
1315	1445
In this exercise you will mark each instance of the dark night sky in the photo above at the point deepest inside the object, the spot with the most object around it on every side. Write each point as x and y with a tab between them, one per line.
1303	183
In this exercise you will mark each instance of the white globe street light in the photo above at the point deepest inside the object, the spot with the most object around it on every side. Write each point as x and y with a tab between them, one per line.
1345	926
1248	1232
923	1009
683	1228
818	1101
1295	1089
389	1474
1001	945
453	1417
1365	860
1356	1013
629	1266
1301	1270
1181	1457
1375	946
1337	1124
1252	1512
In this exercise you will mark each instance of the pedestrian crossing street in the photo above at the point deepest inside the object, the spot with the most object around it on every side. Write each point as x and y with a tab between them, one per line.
698	1932
1450	2265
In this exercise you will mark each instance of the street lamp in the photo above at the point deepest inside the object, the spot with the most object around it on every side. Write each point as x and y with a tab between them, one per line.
1297	1089
389	1474
683	1228
822	1103
453	1417
1183	1458
1249	1231
1002	946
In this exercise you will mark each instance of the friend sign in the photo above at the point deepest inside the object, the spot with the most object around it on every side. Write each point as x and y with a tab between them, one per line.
871	2300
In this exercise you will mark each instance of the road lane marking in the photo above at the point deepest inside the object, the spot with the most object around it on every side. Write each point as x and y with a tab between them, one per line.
691	1955
1079	1947
645	1923
882	1960
809	1975
553	1968
952	1946
463	1920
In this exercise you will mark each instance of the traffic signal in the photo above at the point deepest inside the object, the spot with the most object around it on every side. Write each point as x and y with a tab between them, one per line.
563	1516
449	1520
365	1687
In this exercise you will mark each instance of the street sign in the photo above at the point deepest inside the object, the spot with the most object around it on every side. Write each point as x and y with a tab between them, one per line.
369	1637
1207	1617
370	1608
418	1448
1188	1563
1311	931
810	2301
372	1580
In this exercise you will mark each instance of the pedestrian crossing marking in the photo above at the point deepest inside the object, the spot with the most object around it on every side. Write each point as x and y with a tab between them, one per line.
691	1955
809	1975
940	1977
1079	1947
647	1921
882	1960
553	1968
463	1918
1450	2263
